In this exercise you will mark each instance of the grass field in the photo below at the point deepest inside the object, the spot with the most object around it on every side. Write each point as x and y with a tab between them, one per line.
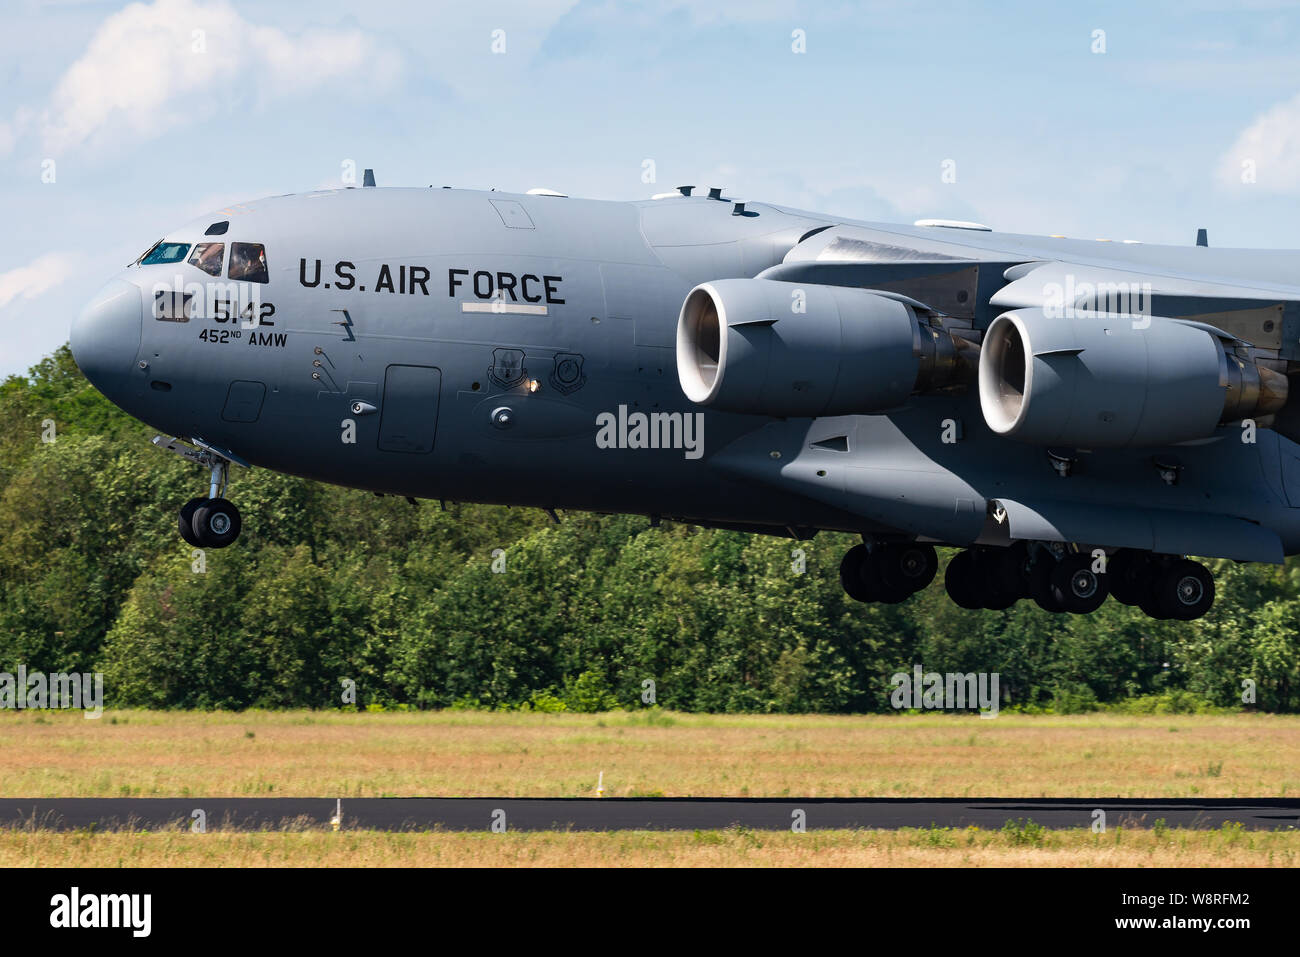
182	754
935	847
328	754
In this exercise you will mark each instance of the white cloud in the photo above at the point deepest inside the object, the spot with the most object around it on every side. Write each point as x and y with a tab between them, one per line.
37	277
151	67
1272	145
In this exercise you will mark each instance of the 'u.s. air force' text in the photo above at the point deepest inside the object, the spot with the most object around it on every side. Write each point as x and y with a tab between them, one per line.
404	279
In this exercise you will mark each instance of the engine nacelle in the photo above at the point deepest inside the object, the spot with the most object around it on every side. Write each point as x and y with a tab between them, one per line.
1115	381
799	349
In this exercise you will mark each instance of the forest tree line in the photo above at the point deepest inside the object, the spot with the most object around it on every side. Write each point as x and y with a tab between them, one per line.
327	586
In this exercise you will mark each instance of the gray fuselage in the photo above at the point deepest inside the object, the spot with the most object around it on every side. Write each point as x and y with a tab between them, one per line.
470	346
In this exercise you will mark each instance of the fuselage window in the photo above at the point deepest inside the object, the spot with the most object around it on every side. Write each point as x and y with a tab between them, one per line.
165	252
248	262
208	256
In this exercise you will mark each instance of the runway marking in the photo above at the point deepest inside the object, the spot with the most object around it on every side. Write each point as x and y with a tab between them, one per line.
608	814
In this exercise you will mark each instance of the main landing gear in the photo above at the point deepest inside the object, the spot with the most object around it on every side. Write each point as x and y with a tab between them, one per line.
211	522
1163	586
997	578
1056	579
887	572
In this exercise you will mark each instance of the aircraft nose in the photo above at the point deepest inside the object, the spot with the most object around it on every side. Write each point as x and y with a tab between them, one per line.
106	336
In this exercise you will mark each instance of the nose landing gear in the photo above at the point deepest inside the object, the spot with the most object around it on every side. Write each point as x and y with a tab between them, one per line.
211	522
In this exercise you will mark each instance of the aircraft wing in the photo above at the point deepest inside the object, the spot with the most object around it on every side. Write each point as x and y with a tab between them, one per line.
975	275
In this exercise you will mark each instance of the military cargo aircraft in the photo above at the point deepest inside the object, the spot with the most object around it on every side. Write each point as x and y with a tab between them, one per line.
1076	416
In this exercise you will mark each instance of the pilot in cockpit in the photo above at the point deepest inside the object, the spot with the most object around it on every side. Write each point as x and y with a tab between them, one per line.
248	261
207	256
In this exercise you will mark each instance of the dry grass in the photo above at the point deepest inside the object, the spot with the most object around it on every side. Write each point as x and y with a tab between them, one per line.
939	847
327	754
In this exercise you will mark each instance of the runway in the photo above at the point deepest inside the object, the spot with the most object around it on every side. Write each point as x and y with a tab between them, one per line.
606	814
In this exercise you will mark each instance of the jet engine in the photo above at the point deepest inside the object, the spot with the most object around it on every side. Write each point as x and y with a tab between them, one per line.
800	349
1116	381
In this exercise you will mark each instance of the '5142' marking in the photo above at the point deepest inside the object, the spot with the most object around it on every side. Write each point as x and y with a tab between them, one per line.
222	311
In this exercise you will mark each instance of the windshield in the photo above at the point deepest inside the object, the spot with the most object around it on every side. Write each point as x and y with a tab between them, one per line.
165	252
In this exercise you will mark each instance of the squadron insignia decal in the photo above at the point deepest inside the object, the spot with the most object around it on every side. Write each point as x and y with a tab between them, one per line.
567	375
507	367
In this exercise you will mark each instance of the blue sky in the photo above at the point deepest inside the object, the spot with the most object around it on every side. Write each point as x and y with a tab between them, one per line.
144	123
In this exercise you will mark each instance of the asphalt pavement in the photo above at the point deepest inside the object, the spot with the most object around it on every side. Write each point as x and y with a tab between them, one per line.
605	814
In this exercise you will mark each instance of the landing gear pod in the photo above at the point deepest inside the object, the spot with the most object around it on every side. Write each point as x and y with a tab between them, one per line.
800	349
1115	381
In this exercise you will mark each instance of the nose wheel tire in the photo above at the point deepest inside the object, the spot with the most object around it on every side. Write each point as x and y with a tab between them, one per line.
215	523
185	521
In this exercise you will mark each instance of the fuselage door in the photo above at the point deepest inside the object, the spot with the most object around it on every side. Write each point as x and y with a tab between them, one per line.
409	415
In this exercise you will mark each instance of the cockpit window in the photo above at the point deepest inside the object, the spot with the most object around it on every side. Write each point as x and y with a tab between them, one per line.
140	258
208	256
248	262
165	252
